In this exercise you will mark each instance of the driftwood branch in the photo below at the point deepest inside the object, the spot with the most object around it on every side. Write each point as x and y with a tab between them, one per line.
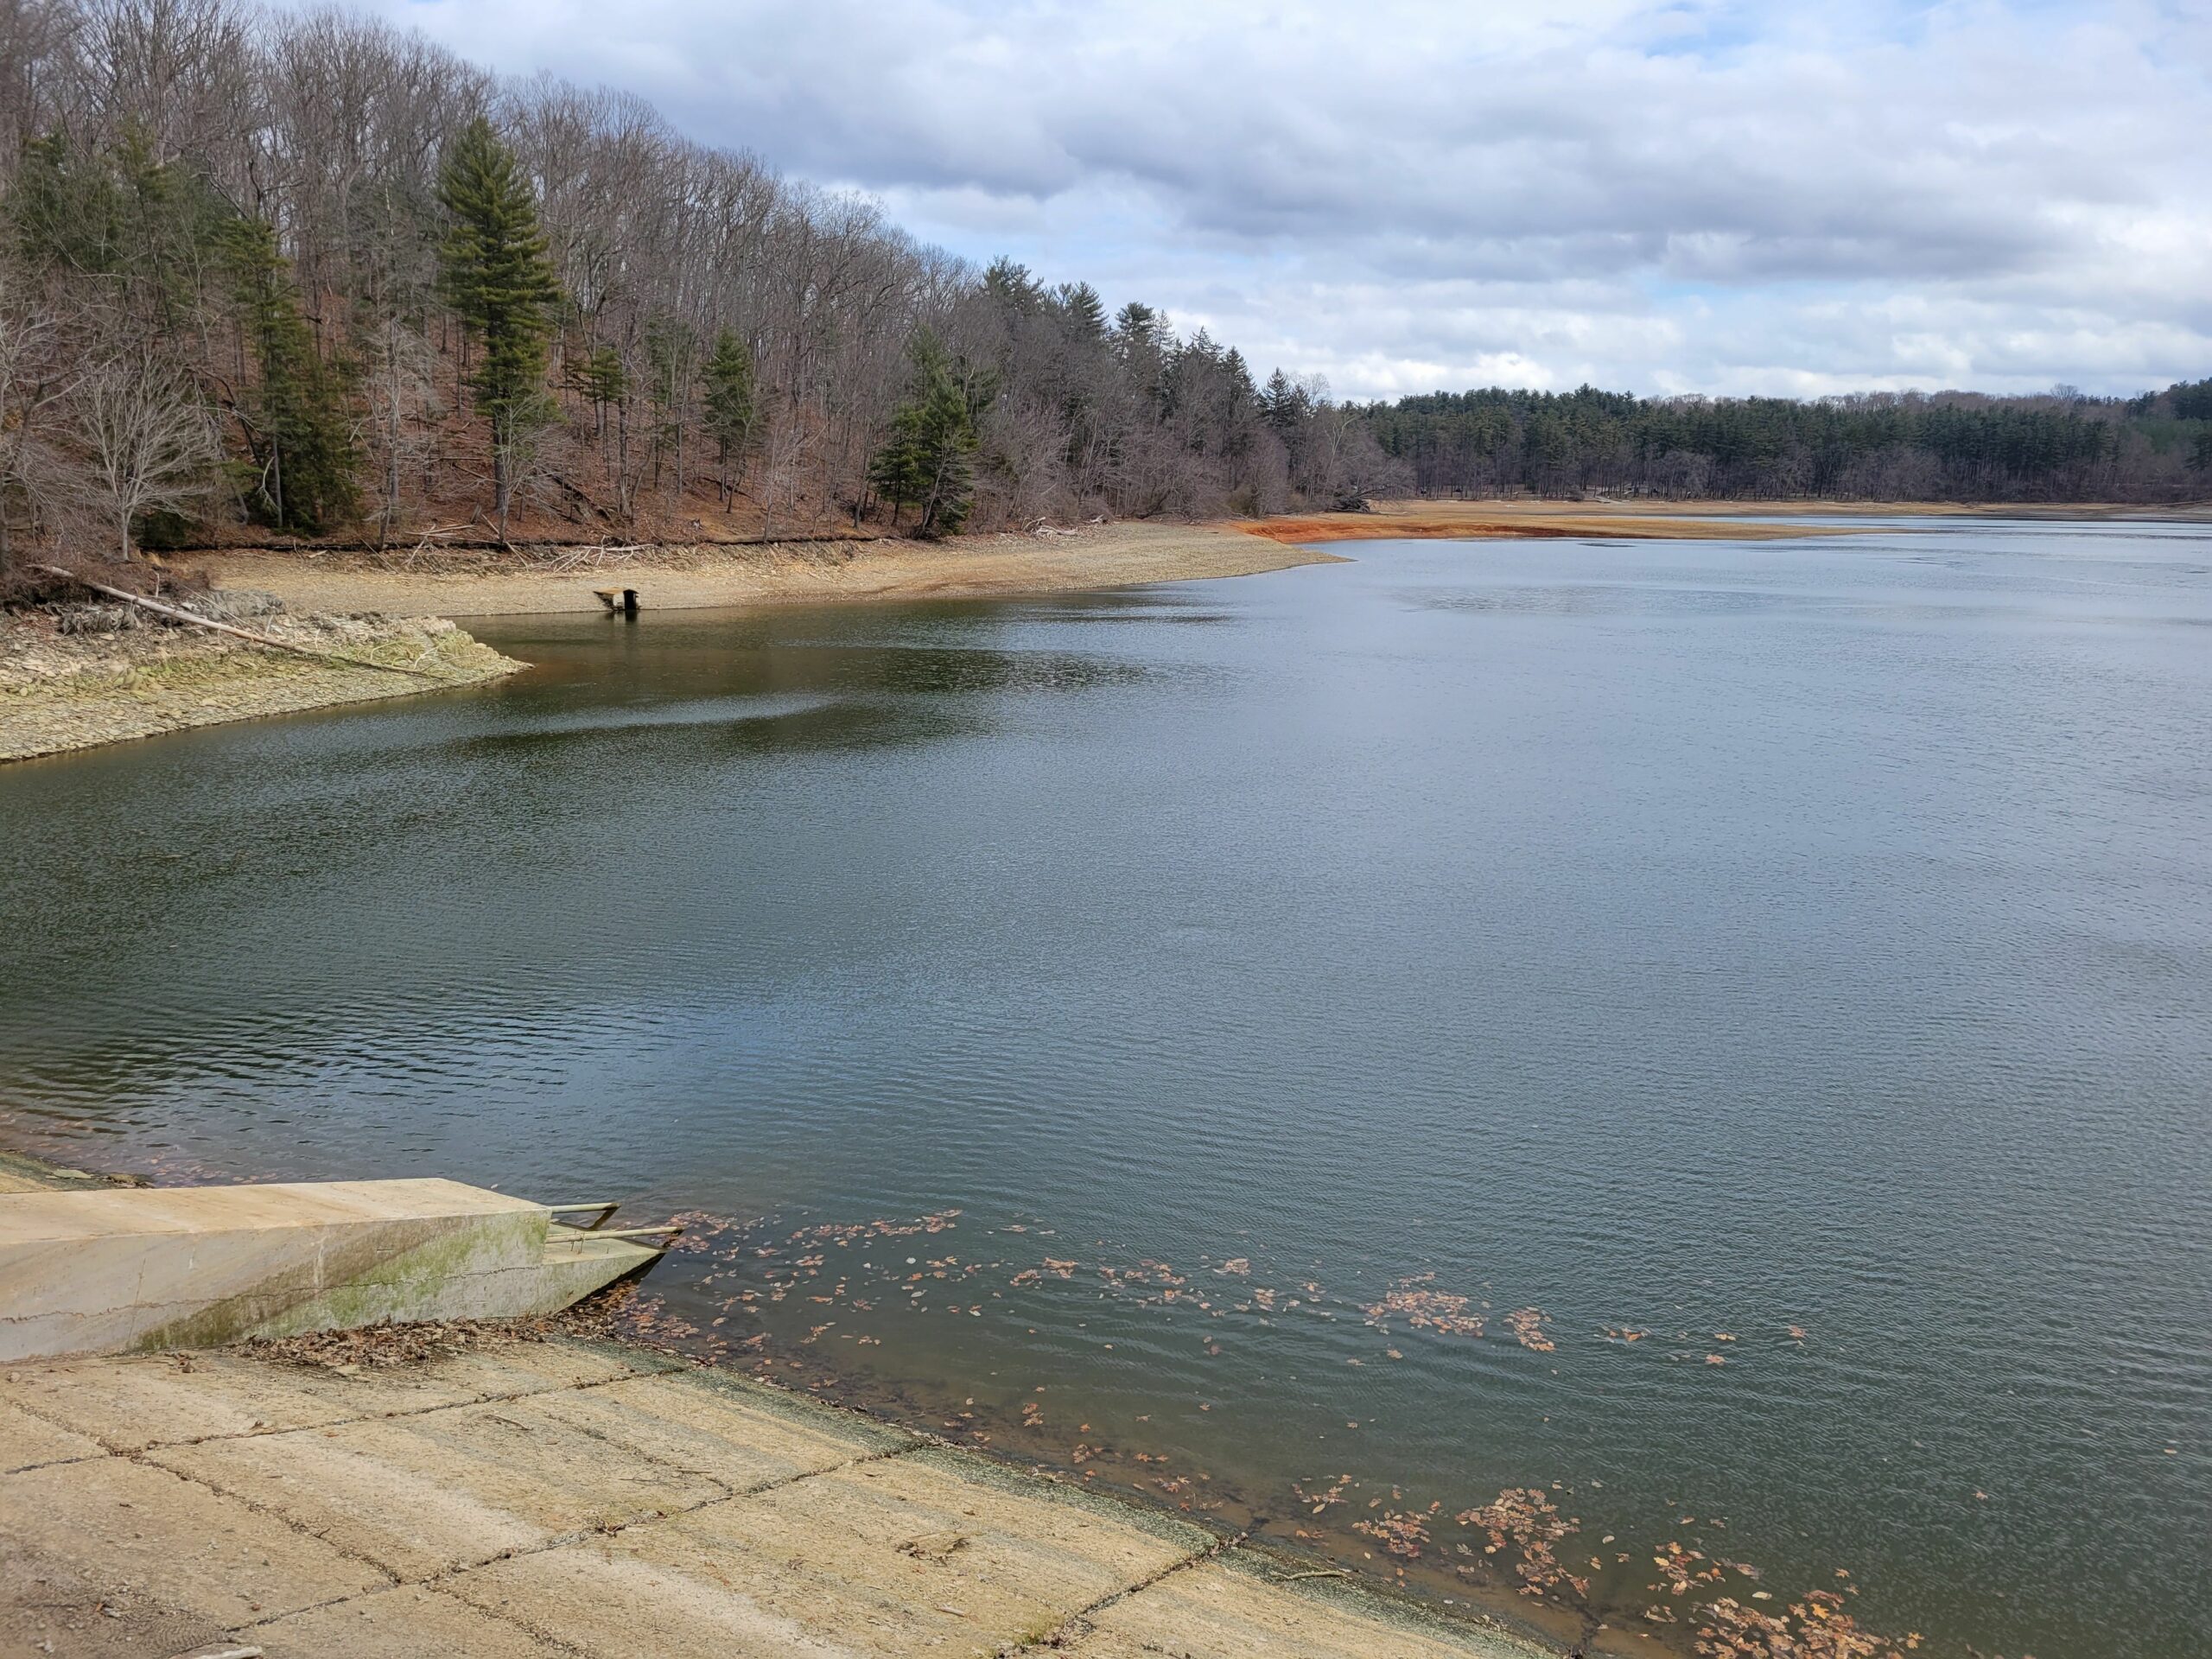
268	641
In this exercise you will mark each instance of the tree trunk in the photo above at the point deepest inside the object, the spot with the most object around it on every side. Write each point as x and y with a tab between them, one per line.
622	457
501	486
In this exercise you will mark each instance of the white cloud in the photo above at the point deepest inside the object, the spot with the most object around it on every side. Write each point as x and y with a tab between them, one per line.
1696	195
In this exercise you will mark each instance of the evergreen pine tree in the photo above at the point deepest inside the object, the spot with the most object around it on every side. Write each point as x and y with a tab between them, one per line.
494	272
602	380
1084	311
296	420
1284	403
929	458
66	208
730	402
672	353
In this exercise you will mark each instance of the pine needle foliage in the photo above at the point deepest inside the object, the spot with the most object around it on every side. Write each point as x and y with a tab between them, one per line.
928	461
494	272
730	402
298	422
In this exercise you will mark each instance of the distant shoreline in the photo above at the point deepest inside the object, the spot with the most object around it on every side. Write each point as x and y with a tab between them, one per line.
1649	520
147	681
691	576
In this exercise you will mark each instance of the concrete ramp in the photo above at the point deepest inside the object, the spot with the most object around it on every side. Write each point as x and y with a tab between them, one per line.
564	1500
132	1270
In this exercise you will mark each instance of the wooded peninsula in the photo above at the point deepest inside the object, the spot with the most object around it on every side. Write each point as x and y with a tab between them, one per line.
284	277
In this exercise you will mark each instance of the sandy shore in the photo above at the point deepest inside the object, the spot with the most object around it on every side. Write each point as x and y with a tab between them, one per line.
682	578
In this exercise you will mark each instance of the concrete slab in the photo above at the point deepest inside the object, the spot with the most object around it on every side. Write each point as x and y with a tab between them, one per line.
605	1509
738	1434
1245	1606
117	1270
917	1553
129	1404
48	1606
426	1494
27	1441
408	1622
606	1603
145	1535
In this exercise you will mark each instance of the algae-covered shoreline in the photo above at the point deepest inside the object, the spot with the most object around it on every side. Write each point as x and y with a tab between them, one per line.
60	692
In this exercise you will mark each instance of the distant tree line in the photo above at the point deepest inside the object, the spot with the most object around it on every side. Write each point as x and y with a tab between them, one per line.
303	271
1951	446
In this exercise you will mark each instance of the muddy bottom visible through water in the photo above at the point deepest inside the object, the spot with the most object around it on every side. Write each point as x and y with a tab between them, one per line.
1670	1076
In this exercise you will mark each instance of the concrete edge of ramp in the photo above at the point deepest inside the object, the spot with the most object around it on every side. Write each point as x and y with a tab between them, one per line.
101	1268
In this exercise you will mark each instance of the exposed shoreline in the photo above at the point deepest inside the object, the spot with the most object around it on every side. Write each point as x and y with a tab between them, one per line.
64	692
706	575
61	693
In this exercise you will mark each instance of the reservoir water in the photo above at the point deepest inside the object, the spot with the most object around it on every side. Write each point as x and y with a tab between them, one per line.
1766	986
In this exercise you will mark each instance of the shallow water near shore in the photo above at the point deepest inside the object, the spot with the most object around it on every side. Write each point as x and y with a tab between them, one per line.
1798	955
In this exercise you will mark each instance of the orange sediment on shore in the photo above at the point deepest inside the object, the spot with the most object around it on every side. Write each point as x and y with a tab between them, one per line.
1439	520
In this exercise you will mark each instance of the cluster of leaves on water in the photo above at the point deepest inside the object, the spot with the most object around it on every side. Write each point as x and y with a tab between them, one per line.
1525	1520
1424	1308
1815	1628
1527	1324
1519	1539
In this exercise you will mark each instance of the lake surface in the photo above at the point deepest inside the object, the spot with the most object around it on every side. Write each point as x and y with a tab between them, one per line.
1797	953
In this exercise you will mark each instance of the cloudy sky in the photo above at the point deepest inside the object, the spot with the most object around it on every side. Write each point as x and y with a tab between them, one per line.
1695	196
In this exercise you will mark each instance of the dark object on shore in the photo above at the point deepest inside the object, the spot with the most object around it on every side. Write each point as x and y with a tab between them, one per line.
624	600
1353	504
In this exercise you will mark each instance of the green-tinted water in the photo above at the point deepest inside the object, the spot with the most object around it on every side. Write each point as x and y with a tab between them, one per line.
1703	940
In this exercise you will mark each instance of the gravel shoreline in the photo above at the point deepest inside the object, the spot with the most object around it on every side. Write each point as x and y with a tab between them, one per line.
62	691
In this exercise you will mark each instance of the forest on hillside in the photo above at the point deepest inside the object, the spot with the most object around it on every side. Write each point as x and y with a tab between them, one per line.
302	275
1945	446
313	274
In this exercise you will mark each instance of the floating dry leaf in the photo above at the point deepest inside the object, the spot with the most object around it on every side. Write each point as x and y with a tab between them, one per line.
1523	1517
1527	1324
1425	1309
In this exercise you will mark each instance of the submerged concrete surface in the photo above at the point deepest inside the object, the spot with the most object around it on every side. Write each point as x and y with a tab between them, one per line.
106	1269
525	1500
22	1174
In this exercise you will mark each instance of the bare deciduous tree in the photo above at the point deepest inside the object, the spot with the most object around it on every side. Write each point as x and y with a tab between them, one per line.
34	379
398	383
145	444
